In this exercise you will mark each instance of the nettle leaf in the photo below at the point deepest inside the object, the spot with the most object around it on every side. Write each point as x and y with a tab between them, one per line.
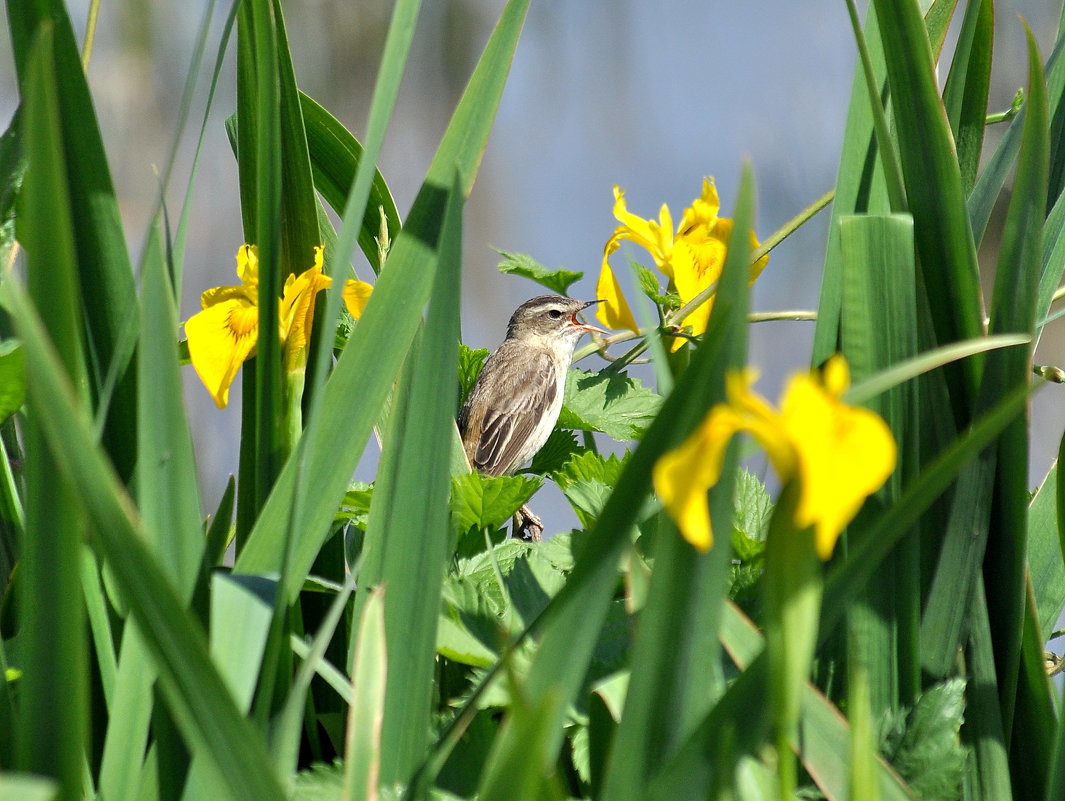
480	615
753	507
12	378
355	506
556	280
926	748
615	404
587	481
651	287
471	362
559	449
480	501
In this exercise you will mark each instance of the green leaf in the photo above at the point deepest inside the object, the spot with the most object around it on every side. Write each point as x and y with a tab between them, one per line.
104	277
471	362
480	501
612	403
526	266
335	157
587	481
51	738
27	787
753	507
12	378
355	506
944	241
319	782
407	534
926	749
200	703
560	447
370	671
338	429
966	90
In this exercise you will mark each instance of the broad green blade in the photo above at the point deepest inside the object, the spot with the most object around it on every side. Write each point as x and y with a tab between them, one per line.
369	674
408	533
53	690
572	622
983	723
879	331
860	184
1014	310
944	242
1046	546
676	672
259	136
335	159
968	82
202	707
104	271
167	494
358	387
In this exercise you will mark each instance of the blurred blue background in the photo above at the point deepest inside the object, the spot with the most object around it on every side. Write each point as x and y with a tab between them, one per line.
648	95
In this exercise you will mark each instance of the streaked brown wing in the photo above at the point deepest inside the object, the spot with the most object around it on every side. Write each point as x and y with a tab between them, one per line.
515	388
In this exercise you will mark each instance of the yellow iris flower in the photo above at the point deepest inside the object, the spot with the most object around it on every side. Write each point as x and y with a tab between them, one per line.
840	453
225	333
691	257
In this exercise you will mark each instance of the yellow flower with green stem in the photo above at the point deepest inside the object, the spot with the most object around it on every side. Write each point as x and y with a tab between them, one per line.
225	333
691	257
840	454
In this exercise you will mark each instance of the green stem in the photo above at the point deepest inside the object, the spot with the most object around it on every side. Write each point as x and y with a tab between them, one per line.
90	34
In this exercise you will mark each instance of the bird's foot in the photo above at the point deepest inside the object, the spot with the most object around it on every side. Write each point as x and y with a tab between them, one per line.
527	526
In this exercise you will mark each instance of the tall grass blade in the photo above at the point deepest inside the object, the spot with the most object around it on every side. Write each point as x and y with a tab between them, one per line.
53	696
944	242
201	705
337	432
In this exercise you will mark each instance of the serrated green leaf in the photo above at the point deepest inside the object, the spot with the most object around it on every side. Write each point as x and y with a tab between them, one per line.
753	507
526	266
471	361
587	481
355	506
612	403
12	378
480	501
651	287
559	449
320	782
928	752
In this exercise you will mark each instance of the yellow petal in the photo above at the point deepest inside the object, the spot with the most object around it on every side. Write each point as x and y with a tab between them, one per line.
296	310
356	295
703	210
681	480
248	266
845	453
221	338
613	312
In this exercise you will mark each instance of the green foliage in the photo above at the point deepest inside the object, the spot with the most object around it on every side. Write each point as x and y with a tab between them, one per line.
387	640
471	360
480	501
12	378
612	403
924	743
587	481
560	447
558	281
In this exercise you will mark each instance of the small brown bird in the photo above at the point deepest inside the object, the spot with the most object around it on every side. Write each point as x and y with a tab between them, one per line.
514	404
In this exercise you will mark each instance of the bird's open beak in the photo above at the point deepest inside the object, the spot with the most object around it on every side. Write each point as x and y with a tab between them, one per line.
576	321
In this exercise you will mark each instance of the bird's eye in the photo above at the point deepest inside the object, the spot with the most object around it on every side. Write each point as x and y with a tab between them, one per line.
554	314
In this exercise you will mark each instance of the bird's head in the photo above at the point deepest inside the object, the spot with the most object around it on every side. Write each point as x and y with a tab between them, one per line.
550	320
